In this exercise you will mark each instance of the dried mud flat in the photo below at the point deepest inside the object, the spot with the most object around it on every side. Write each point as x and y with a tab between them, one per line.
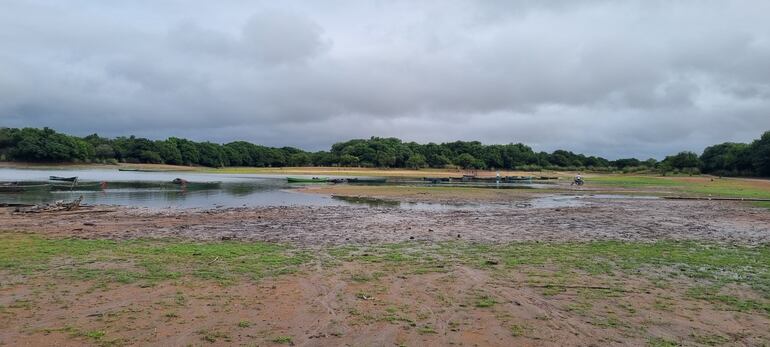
596	219
341	297
463	307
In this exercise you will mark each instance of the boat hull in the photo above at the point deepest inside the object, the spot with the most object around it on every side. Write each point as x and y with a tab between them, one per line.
307	180
63	179
366	180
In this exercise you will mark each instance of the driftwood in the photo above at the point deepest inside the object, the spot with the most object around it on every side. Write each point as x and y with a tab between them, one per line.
74	204
57	207
15	205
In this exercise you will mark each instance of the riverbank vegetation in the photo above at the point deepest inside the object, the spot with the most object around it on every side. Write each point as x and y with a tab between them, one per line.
49	146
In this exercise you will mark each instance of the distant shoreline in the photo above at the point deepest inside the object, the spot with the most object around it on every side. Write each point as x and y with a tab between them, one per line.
310	170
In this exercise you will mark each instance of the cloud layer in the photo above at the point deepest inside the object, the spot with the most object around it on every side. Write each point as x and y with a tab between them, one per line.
614	78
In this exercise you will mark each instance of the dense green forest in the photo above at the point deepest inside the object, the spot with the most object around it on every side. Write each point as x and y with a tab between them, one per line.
47	145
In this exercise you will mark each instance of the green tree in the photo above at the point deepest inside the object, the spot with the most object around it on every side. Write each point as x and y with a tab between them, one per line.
416	161
349	160
682	160
299	159
467	161
760	154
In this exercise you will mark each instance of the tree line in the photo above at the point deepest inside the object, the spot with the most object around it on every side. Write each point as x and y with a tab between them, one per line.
47	145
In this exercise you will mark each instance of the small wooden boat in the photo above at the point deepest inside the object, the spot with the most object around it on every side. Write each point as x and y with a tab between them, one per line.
366	180
184	184
518	178
307	180
65	179
488	179
78	186
16	187
436	179
142	170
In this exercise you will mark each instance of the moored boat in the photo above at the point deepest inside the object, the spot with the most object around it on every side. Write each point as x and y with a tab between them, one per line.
16	187
78	186
65	179
142	170
184	184
367	180
519	178
307	180
436	179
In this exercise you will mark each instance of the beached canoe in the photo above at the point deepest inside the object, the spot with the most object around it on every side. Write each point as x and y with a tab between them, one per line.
65	179
366	180
307	180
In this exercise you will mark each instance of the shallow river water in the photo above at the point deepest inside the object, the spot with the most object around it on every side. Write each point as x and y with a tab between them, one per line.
153	189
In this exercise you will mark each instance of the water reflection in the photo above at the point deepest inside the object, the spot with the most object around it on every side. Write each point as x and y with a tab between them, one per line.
370	202
156	190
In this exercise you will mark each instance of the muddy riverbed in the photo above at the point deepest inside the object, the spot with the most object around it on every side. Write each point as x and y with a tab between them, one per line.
339	299
591	219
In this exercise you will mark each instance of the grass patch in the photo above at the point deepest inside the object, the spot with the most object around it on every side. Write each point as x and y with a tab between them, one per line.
284	340
630	181
148	261
426	330
661	342
712	295
696	186
710	340
716	263
213	336
152	261
95	334
517	330
484	301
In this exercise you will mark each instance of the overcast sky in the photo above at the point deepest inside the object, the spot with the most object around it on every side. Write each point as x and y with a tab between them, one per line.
613	78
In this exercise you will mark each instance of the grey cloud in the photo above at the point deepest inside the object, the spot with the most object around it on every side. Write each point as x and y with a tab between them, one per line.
632	78
278	36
